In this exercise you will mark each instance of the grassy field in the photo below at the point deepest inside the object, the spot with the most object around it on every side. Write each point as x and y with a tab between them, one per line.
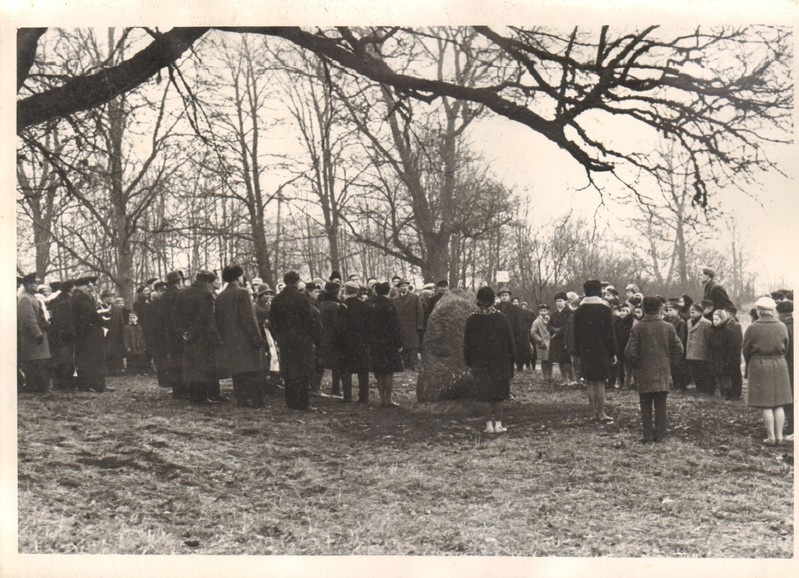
136	472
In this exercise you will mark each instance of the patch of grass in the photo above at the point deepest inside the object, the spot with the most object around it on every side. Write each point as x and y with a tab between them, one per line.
136	472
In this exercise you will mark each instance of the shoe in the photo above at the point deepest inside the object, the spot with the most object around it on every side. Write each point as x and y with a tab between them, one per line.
489	427
108	388
645	441
319	394
392	404
769	442
788	438
311	408
500	429
606	419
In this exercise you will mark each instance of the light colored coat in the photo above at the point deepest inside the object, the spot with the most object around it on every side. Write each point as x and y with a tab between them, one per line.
697	344
541	336
31	329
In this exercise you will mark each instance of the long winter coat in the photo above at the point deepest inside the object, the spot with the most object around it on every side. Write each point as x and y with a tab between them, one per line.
521	338
558	321
489	349
411	316
88	326
155	328
724	349
60	334
174	339
352	336
696	348
195	319
328	350
621	329
31	329
297	331
238	329
385	338
115	337
541	337
652	348
764	347
594	339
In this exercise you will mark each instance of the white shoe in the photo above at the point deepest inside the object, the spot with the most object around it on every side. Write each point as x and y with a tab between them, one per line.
489	427
788	438
500	429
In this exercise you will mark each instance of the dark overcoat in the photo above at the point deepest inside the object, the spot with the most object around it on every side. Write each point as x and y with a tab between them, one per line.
115	337
60	334
297	331
558	321
521	337
385	338
196	320
489	349
353	336
88	325
717	294
174	339
411	315
724	348
594	338
328	350
154	328
31	329
238	329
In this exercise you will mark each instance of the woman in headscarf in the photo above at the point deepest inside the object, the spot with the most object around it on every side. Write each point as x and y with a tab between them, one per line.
769	388
489	350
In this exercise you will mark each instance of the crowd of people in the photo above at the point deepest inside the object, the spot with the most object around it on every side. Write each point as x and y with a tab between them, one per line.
192	334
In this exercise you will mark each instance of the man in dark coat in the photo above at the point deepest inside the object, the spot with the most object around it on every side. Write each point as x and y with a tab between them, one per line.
297	331
558	327
62	337
196	320
385	343
713	291
154	329
329	306
174	339
352	339
115	336
411	315
33	350
513	312
88	325
238	328
595	344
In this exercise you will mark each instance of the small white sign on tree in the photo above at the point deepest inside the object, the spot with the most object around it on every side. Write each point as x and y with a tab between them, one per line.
503	277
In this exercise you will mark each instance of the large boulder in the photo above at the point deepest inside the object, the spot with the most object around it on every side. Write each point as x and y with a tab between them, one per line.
443	375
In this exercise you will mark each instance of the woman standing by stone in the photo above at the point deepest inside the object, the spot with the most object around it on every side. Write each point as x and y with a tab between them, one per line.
385	343
764	348
489	350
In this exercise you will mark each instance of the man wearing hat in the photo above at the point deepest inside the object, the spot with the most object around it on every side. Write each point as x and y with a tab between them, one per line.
521	339
242	341
155	331
115	337
33	350
298	332
195	319
88	324
353	342
173	372
411	316
558	327
714	291
785	313
62	338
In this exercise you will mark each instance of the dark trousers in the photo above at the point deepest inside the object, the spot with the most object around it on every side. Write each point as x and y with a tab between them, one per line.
37	375
703	378
736	383
319	374
162	370
174	376
658	400
335	378
200	391
91	377
248	388
296	392
63	376
363	385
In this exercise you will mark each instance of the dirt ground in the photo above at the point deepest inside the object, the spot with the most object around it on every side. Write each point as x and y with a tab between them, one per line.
135	472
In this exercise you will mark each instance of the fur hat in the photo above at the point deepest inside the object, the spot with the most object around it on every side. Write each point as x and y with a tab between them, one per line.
159	285
561	295
31	278
503	291
785	307
174	277
291	278
486	296
231	273
205	276
332	287
442	284
403	282
264	289
383	288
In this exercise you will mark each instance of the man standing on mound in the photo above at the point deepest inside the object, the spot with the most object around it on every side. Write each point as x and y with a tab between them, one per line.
298	331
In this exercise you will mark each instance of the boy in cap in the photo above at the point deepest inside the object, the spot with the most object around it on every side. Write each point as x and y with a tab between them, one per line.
652	348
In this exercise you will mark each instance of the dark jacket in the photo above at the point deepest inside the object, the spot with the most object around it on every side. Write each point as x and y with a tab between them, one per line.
488	340
652	349
60	334
155	327
328	348
88	326
385	339
174	339
353	336
297	331
717	294
521	339
724	348
238	329
558	321
195	319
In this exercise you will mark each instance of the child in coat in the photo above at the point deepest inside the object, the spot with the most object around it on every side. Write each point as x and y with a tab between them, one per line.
135	356
541	336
